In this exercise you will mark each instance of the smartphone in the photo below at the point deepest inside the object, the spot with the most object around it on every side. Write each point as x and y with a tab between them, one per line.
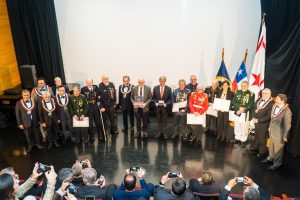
240	179
72	189
134	169
173	174
43	168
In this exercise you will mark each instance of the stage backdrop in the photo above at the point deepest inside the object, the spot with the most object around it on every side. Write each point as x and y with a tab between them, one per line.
150	38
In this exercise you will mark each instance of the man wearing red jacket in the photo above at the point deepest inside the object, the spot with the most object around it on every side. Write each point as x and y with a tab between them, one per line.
198	104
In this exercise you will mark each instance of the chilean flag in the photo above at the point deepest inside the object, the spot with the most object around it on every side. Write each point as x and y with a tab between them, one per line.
257	77
240	76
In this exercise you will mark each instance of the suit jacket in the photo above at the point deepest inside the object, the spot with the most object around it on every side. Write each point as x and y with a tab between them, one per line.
280	125
99	193
263	194
167	95
53	88
63	112
24	118
44	115
37	95
229	94
263	114
147	96
196	186
125	103
107	94
161	193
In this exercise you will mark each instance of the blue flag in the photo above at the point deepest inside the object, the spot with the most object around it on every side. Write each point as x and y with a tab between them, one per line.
222	74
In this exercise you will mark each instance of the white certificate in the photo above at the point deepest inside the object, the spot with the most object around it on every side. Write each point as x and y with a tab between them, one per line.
221	104
235	118
177	106
211	111
196	120
81	123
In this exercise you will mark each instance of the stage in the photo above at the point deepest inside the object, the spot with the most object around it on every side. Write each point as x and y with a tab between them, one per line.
157	157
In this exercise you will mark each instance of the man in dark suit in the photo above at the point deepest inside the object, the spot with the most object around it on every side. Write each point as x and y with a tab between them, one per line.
251	190
261	118
179	190
141	98
27	119
63	112
90	92
162	96
125	104
205	184
107	94
58	82
37	92
49	119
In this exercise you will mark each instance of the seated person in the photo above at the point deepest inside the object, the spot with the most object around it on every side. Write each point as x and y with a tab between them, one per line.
127	189
179	190
10	189
77	174
251	190
204	184
64	179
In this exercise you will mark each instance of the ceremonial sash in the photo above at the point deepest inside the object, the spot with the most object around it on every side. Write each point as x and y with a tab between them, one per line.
24	105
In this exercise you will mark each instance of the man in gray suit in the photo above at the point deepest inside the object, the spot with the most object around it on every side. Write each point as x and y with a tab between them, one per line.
279	129
27	119
141	98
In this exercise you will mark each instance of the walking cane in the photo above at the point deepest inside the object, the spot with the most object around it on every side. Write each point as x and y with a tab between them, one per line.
104	133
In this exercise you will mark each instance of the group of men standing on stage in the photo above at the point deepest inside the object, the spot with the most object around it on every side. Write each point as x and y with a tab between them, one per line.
52	110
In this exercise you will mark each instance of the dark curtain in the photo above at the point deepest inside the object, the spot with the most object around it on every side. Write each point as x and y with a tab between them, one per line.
35	34
282	73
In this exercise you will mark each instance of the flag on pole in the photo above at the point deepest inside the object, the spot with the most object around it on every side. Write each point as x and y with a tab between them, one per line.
257	77
222	74
240	76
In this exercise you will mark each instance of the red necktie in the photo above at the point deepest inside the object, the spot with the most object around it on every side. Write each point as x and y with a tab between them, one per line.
141	91
161	92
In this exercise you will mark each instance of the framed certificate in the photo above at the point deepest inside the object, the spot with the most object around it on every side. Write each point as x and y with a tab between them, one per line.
177	106
196	120
81	123
235	118
221	104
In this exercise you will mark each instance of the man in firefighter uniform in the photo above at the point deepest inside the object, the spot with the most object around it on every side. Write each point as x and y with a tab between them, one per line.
242	102
198	104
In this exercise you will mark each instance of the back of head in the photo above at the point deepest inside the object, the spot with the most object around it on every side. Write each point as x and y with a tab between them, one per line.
89	176
6	186
252	194
7	170
206	178
64	174
77	169
178	186
129	182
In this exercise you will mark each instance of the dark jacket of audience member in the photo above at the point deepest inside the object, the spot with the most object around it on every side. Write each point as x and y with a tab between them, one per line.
197	186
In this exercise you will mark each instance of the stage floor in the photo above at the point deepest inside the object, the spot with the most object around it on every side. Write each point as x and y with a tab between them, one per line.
157	157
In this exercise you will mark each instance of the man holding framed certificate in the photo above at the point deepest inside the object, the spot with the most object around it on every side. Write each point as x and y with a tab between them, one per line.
198	104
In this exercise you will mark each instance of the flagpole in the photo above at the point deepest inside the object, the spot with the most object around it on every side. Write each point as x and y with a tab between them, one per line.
245	57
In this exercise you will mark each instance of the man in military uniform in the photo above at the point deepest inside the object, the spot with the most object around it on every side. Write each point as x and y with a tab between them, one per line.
125	104
242	102
90	92
261	118
37	93
198	104
79	108
211	91
63	112
192	86
27	119
279	128
180	95
107	93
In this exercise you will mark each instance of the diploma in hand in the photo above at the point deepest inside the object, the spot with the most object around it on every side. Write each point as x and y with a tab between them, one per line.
196	120
221	104
81	123
177	106
138	101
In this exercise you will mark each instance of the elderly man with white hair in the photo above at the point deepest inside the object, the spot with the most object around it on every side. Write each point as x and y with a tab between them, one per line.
49	119
141	98
211	120
107	94
57	83
261	118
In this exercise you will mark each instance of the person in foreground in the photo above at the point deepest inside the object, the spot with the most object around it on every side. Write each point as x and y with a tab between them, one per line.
251	190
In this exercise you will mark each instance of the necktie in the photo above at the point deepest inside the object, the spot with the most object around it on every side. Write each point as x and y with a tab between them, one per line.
161	92
141	91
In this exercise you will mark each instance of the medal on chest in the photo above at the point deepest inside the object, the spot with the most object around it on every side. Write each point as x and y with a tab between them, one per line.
44	104
59	102
26	107
126	90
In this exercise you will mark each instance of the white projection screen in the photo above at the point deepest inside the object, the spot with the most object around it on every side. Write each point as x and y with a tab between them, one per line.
150	38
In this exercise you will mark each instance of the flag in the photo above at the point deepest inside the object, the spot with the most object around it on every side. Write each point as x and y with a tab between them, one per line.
240	76
257	77
222	74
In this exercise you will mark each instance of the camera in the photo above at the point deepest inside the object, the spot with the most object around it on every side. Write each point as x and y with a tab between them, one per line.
173	174
84	164
240	179
72	189
101	180
43	168
134	169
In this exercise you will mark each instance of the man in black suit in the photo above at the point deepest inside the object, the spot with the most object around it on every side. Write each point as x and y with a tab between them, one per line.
205	184
179	190
58	82
251	190
27	119
261	118
49	119
63	111
125	104
162	97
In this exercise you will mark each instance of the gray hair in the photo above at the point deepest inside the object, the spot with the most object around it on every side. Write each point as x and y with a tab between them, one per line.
45	94
162	78
267	90
77	169
245	82
57	78
8	170
251	193
64	174
89	176
181	81
76	87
